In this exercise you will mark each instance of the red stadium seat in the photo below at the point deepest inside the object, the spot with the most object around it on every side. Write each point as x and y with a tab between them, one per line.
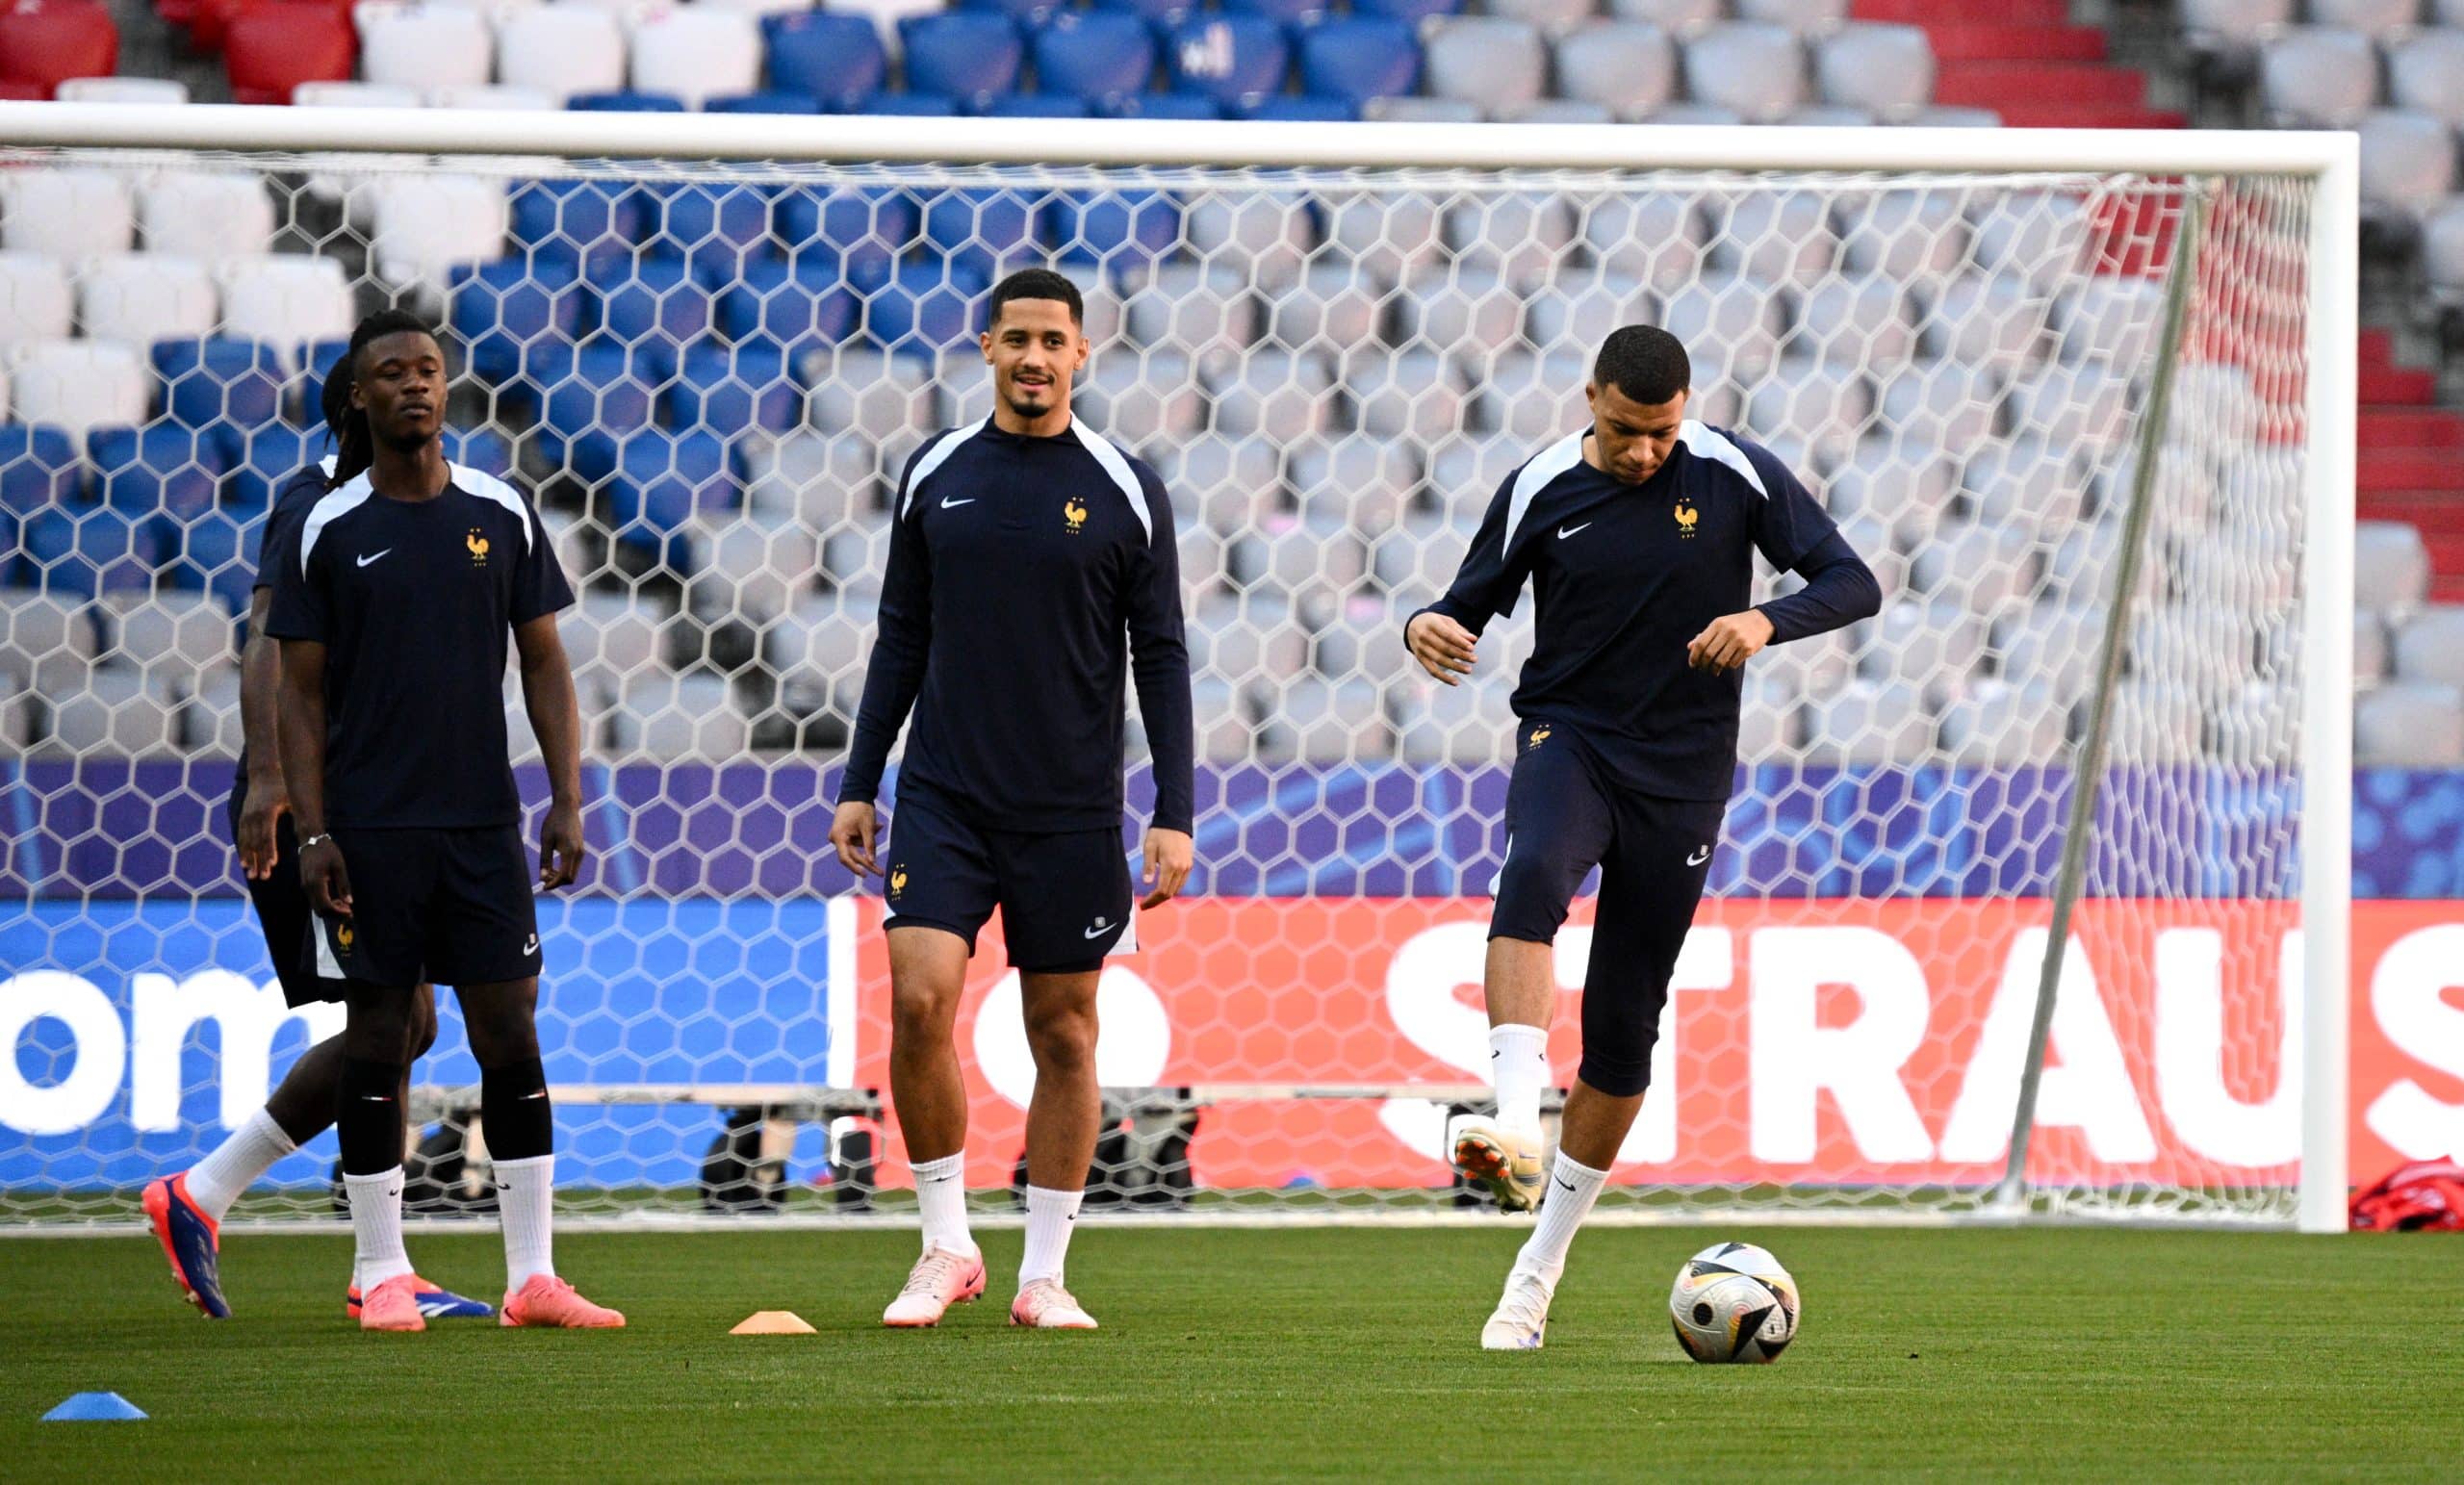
13	91
272	49
45	42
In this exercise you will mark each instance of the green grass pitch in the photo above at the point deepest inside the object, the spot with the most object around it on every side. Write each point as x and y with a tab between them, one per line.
1335	1353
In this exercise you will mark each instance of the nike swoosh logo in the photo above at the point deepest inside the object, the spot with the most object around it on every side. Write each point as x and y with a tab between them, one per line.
526	1097
1699	857
1098	933
376	1098
955	504
1567	530
531	947
364	561
1568	1185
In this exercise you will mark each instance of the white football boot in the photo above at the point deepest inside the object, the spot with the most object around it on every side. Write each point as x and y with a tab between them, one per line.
1522	1315
1509	1162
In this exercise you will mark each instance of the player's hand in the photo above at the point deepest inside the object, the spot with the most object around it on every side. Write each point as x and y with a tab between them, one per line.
1444	648
1729	641
1169	856
261	809
852	830
560	847
325	878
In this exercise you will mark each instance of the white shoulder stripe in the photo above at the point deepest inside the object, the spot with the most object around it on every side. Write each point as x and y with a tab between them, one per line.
1708	442
1545	466
1117	465
488	487
934	455
329	507
327	463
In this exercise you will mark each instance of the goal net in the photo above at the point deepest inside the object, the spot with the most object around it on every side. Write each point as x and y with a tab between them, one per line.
711	372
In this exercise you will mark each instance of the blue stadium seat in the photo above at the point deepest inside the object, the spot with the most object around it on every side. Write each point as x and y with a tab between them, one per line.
502	312
607	391
969	56
913	105
1359	59
625	101
1286	11
716	229
1306	110
1412	10
574	221
1166	105
1230	59
769	100
866	230
658	304
216	552
925	311
1036	105
1099	56
307	396
981	229
267	456
798	309
85	551
161	468
1028	12
217	381
731	389
662	482
37	467
837	60
484	450
1119	230
1156	12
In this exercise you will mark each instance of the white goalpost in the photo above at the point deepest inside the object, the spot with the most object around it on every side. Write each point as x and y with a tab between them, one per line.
2034	898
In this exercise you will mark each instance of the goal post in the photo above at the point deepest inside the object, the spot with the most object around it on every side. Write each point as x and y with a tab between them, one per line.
708	342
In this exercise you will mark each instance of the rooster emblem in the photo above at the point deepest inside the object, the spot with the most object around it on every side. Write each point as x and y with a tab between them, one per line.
1686	515
479	547
1075	513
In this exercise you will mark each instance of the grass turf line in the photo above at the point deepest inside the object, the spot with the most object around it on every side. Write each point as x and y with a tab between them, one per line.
1349	1355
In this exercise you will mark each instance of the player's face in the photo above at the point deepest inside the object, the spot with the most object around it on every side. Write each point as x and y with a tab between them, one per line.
401	386
1633	437
1035	347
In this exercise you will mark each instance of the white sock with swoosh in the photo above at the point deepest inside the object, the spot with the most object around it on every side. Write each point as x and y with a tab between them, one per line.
1573	1187
1051	1217
940	1193
376	1221
1519	1066
526	1204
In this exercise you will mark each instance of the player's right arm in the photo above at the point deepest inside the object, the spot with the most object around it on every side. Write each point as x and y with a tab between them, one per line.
1445	636
298	617
264	802
902	638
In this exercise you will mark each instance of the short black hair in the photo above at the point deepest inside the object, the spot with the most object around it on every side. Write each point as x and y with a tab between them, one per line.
382	324
1644	362
1035	284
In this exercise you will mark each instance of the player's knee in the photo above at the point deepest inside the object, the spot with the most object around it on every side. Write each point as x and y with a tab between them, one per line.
1062	1037
1532	895
423	1025
379	1029
1618	1073
923	1011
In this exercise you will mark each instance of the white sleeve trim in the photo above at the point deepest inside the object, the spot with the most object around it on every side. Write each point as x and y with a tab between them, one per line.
329	507
488	487
943	444
1708	442
1117	465
1533	477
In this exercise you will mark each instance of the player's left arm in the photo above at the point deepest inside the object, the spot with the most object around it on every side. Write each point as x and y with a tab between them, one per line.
1159	664
540	591
1793	531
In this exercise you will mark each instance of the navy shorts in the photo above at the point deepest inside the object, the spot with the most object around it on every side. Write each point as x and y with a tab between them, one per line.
284	914
1562	818
1063	897
451	906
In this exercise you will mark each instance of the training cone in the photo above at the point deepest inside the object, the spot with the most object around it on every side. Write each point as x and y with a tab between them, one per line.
772	1322
94	1408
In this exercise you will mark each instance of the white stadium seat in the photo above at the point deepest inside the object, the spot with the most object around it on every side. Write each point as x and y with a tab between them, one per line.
69	213
697	53
425	225
155	91
562	50
424	46
507	97
77	385
287	299
206	214
139	299
36	300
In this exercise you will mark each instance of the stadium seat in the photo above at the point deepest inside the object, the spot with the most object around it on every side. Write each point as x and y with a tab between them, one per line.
505	311
1273	393
694	52
1658	239
1366	480
863	230
2028	483
768	100
174	642
1994	322
2429	645
2086	407
1629	67
561	49
208	383
914	105
1316	722
1329	310
1680	18
48	642
1233	60
427	224
1289	108
592	397
584	224
156	91
117	714
1524	235
662	482
654	302
2407	167
823	479
77	385
608	636
1165	104
1885	70
1357	59
2380	20
1423	110
138	299
269	51
719	229
67	213
2409	723
86	551
1206	310
2232	31
1140	399
2391	565
731	389
1294	14
1868	722
287	299
1860	323
664	718
504	97
1033	105
39	467
817	653
969	56
981	229
267	456
206	214
37	302
1995	724
2442	254
1530	399
46	43
358	96
1930	646
1125	231
1904	235
835	57
752	570
1801	18
2315	77
625	101
1757	71
1099	56
425	46
1495	64
1551	18
2425	71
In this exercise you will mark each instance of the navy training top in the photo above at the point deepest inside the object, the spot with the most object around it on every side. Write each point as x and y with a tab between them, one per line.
1626	576
1027	577
415	603
292	499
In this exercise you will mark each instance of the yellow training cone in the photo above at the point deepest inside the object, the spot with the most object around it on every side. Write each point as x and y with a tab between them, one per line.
772	1322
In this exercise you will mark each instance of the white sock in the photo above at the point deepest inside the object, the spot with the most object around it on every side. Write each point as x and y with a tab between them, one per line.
1519	1066
941	1191
1573	1187
1051	1218
526	1202
376	1221
217	1181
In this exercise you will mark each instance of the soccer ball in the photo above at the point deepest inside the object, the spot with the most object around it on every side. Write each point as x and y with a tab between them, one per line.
1734	1302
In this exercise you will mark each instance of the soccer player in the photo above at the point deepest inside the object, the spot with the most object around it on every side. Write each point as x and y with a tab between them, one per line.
1031	564
1637	535
186	1210
392	604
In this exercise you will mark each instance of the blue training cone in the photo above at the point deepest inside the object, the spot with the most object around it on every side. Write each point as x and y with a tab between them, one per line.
94	1408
